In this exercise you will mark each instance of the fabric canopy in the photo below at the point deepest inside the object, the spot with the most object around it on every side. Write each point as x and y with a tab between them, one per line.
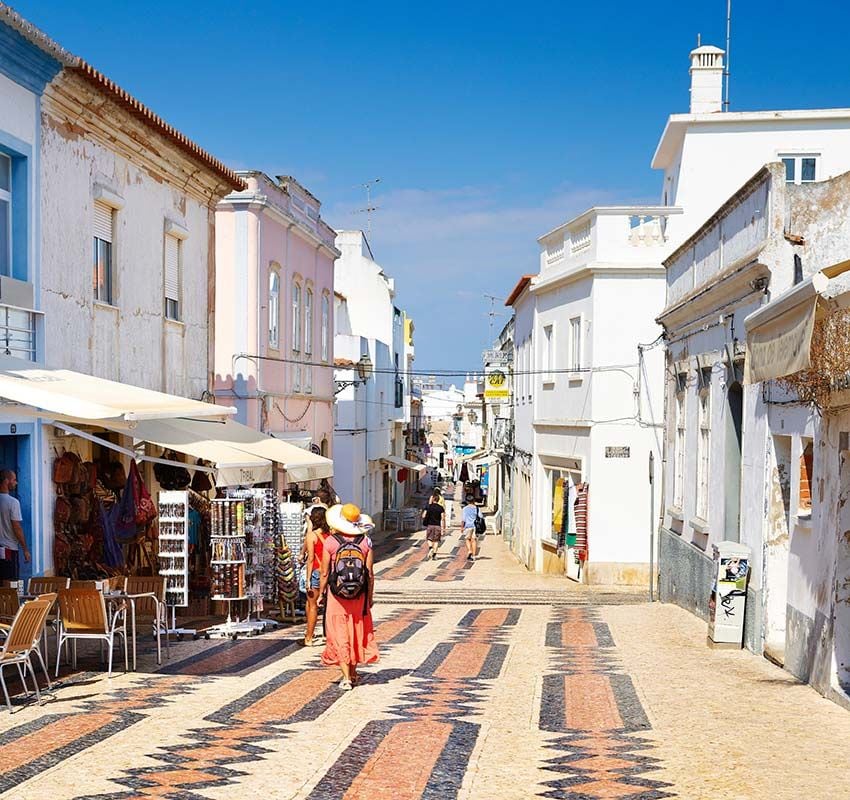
233	466
300	439
84	397
300	465
403	463
779	334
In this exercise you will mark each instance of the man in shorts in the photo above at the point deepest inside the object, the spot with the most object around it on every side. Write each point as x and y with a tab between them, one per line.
469	515
12	537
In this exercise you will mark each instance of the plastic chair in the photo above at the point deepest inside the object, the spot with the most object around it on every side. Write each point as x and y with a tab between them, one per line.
83	616
147	598
21	641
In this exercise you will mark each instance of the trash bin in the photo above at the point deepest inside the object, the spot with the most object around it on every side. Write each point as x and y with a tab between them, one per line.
728	600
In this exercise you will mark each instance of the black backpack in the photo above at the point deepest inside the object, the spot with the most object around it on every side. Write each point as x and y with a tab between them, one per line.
349	576
480	523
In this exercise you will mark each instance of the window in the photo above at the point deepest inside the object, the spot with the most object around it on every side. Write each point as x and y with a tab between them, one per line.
274	309
173	259
800	168
704	444
5	215
548	353
308	379
296	317
326	313
296	377
308	322
679	446
104	224
575	343
806	465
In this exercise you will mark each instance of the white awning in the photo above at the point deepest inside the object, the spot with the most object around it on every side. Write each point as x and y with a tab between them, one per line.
300	465
300	439
84	397
779	334
403	463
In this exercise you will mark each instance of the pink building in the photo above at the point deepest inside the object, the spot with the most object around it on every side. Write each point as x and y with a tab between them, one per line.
272	315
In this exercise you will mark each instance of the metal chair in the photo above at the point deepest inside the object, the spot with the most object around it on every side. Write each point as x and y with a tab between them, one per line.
391	520
83	616
147	598
411	519
21	640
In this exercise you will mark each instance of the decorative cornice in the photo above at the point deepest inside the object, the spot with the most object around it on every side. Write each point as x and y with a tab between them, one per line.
22	61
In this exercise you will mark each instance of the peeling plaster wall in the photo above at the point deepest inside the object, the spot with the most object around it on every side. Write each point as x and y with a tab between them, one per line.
130	341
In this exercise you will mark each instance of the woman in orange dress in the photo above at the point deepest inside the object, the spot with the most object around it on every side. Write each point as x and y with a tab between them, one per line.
349	632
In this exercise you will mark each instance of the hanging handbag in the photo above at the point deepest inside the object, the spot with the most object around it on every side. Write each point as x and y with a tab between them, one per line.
61	510
201	481
63	468
145	510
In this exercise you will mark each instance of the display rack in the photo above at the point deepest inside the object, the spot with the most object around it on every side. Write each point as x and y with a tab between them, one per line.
289	545
173	508
229	564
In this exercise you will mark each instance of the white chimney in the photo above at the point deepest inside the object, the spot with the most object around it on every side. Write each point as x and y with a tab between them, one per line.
707	80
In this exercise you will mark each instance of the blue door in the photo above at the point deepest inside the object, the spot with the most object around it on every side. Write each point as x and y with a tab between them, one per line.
14	455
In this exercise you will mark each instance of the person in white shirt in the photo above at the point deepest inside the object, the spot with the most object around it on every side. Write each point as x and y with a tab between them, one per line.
12	539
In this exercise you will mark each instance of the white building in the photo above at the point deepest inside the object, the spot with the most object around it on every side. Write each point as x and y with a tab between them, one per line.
369	445
589	385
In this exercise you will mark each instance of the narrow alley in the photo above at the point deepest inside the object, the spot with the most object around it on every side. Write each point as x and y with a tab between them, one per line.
493	683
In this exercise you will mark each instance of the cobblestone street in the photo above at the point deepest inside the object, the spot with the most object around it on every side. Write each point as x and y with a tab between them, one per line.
492	683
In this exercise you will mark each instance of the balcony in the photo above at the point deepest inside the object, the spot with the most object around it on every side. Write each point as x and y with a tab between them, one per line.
18	332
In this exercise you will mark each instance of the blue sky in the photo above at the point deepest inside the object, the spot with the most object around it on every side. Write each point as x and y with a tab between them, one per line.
488	123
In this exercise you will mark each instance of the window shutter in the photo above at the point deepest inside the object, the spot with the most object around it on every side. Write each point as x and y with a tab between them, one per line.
103	221
172	268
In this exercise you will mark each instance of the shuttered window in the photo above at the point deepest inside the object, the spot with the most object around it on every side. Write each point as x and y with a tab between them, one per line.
172	277
103	225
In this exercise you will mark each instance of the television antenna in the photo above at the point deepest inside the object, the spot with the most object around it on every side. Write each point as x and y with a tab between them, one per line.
492	314
728	46
369	209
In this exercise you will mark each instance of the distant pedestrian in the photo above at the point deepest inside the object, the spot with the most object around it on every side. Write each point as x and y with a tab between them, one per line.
311	571
434	520
469	515
12	539
347	588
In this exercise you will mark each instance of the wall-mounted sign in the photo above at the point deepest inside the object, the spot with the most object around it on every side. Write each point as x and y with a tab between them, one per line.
617	452
496	386
499	357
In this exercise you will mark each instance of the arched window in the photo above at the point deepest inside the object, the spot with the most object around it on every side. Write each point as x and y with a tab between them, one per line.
296	316
308	322
274	309
324	448
326	313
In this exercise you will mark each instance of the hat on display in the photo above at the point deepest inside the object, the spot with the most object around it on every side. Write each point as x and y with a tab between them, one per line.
348	519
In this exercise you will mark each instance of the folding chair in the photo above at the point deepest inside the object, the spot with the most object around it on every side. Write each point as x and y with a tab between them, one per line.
21	641
83	616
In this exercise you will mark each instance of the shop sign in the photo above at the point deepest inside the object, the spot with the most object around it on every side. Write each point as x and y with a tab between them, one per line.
496	385
496	357
617	452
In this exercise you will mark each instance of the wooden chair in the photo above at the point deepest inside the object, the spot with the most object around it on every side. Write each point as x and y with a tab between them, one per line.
83	616
83	584
9	605
147	597
21	641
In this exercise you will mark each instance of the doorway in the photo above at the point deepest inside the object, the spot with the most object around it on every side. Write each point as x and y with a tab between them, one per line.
15	455
732	478
778	547
841	632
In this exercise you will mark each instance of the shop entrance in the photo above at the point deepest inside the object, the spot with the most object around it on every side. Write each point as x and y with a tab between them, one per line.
14	455
778	546
732	478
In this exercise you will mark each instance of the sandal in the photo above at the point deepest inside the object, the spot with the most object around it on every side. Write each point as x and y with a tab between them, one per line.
345	685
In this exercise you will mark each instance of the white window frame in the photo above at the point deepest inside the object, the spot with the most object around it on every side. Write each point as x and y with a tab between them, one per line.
326	317
108	297
797	159
178	306
703	444
6	196
308	322
681	432
274	308
576	343
296	316
548	353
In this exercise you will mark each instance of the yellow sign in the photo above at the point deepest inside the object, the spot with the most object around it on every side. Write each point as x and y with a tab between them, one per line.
496	384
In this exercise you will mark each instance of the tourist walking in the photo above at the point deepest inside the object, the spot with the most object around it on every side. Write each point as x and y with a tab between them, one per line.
314	542
12	537
468	531
347	588
434	520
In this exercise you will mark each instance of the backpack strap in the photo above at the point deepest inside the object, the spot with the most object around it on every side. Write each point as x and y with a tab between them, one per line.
359	538
339	537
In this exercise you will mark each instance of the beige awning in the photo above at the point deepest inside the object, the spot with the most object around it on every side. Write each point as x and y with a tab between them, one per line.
779	334
403	463
300	439
84	397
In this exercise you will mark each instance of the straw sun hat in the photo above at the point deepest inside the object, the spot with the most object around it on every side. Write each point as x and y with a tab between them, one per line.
348	519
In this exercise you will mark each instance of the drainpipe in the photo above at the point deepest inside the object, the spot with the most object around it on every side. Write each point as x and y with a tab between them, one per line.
664	448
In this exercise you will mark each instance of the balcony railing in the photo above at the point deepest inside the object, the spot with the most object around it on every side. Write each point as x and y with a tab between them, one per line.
17	332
